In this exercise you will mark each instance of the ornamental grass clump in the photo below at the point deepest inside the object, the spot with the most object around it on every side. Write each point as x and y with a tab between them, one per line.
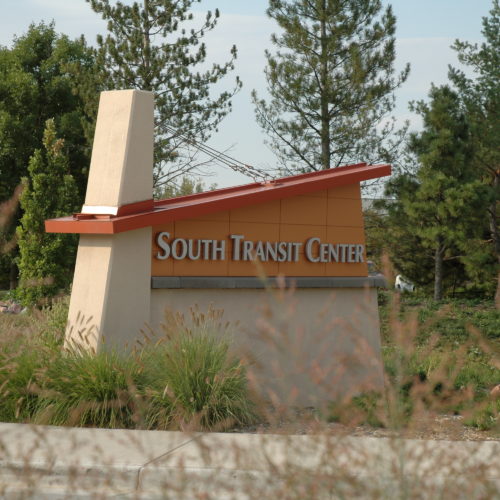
185	379
29	344
84	389
194	379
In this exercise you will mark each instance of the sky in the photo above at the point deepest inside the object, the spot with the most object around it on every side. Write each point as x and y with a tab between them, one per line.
425	31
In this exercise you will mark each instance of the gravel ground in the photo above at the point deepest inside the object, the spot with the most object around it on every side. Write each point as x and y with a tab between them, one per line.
437	427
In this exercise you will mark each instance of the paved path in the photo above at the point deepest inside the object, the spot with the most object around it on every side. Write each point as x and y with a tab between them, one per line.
41	462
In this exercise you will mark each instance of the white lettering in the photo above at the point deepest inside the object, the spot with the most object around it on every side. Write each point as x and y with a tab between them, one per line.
309	244
271	251
343	252
218	249
265	251
282	251
360	250
206	248
175	250
190	250
323	252
259	252
296	247
236	245
160	241
351	254
333	253
247	250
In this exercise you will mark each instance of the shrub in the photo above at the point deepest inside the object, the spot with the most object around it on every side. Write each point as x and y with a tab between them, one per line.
185	380
486	417
196	381
89	390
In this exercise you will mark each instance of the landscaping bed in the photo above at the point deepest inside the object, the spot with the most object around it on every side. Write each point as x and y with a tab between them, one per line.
439	365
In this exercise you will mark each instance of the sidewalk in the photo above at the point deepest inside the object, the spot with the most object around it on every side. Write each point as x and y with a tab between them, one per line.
39	462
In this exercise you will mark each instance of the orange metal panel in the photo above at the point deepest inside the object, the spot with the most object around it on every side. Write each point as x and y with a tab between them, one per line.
339	234
304	210
342	269
265	212
317	194
201	267
162	267
301	232
344	212
202	229
214	217
256	231
352	191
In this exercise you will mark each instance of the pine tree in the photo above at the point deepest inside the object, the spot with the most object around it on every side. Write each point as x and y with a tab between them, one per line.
46	261
149	47
445	206
481	96
331	82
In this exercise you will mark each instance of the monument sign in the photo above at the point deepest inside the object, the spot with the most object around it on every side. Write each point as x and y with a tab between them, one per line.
225	249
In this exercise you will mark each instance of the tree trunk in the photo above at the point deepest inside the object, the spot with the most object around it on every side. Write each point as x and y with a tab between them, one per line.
438	269
147	84
325	118
495	234
13	276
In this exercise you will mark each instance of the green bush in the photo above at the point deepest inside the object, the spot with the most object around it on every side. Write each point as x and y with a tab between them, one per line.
188	380
85	389
485	418
195	379
23	363
441	357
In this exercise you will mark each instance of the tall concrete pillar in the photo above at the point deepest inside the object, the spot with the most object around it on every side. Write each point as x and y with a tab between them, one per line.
110	301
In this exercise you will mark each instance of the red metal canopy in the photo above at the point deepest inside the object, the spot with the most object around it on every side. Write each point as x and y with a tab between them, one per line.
148	213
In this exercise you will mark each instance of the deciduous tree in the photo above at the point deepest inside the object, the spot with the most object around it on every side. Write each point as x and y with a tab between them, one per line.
41	77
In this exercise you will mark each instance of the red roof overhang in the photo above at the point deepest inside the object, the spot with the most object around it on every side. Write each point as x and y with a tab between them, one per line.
195	205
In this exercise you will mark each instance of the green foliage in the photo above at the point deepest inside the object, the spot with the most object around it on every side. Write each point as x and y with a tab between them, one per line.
481	97
364	409
453	321
330	81
87	389
24	358
149	47
449	209
190	381
41	78
488	417
46	260
437	225
445	358
197	380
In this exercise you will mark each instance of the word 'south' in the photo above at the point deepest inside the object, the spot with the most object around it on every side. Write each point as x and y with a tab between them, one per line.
264	251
